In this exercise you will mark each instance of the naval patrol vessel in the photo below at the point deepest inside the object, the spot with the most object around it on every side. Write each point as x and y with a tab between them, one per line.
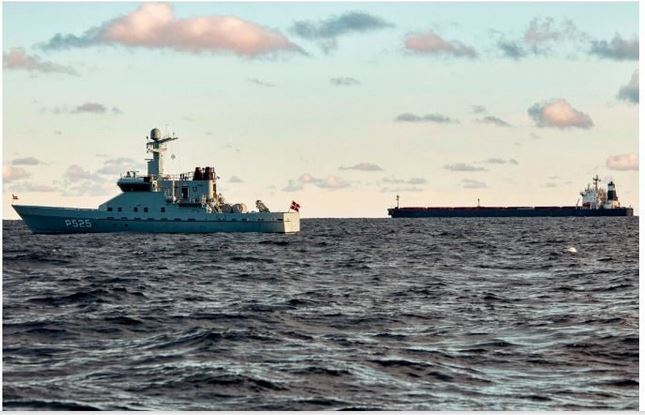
160	202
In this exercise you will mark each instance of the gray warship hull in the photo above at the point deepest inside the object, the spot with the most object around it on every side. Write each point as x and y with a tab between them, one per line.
59	220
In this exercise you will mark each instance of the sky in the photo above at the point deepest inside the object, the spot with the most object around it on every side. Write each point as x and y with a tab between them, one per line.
339	106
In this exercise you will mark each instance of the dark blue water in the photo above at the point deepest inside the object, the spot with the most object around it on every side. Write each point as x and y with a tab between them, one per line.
348	314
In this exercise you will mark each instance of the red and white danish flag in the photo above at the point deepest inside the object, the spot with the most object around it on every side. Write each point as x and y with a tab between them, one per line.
294	206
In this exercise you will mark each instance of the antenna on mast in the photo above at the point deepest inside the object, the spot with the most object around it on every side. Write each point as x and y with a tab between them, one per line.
596	179
157	148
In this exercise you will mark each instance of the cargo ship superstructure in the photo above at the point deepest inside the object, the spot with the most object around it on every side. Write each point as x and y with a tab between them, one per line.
595	202
160	202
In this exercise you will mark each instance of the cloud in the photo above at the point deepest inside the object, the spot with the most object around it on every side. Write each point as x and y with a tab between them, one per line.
498	160
18	59
235	179
76	173
87	107
230	147
261	83
417	180
617	49
472	184
511	49
11	174
344	81
401	189
558	113
478	109
326	32
58	132
543	30
118	165
494	161
77	181
413	181
153	25
26	161
550	185
629	92
438	118
293	186
493	121
430	43
27	187
330	182
623	162
540	37
90	107
463	167
363	167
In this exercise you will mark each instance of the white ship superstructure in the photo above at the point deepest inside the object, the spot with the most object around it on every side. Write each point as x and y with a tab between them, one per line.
160	202
594	197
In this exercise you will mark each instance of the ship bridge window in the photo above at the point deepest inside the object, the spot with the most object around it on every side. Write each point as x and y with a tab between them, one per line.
109	209
136	209
163	209
134	187
119	209
145	209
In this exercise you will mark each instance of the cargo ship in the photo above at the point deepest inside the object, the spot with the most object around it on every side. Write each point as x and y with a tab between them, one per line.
595	202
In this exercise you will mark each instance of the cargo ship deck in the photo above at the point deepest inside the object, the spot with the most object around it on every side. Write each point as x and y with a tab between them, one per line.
504	212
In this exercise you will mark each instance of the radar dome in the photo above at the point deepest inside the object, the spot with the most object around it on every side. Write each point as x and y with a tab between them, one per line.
155	134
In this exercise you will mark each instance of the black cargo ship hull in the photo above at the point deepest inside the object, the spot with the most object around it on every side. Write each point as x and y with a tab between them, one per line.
504	212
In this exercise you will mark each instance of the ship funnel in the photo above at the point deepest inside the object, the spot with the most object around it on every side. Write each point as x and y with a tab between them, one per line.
611	192
155	134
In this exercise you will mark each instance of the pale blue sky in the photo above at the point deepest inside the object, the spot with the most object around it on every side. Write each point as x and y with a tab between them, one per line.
304	124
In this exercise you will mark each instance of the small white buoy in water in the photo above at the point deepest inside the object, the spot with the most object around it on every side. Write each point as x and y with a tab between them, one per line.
572	250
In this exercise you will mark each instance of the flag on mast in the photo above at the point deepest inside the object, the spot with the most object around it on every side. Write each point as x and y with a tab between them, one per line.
294	206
